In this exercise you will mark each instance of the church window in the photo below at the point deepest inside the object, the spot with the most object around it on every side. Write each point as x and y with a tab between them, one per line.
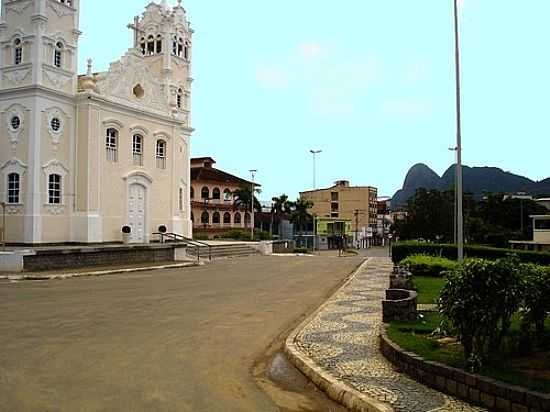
159	44
142	45
175	46
137	149
205	218
192	192
150	45
186	51
205	193
237	218
161	154
55	124
180	197
17	52
14	184
111	145
58	55
180	47
15	122
54	189
227	218
138	91
67	2
216	194
216	218
192	218
179	99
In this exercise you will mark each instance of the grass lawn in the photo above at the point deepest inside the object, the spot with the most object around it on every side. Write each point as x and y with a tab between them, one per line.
532	371
428	288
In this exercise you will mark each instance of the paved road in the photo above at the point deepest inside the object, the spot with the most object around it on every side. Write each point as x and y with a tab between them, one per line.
180	340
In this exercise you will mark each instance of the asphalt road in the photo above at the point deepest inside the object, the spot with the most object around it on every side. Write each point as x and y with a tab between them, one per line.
177	340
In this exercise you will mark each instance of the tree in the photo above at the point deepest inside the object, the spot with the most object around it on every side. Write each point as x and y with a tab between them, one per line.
243	199
300	215
280	206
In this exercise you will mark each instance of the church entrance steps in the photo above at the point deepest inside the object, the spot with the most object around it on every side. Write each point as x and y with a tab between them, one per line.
220	250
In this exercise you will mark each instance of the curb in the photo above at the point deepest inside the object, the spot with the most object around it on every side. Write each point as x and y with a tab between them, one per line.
335	388
97	273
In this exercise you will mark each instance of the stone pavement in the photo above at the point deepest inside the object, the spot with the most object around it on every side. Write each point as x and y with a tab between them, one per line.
343	339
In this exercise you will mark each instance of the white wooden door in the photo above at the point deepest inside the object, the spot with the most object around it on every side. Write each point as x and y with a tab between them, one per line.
136	213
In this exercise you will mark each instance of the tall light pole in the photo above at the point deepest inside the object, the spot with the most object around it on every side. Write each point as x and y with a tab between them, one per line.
459	188
315	153
253	173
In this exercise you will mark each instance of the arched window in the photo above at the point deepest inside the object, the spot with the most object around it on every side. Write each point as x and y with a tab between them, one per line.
205	193
58	54
216	194
237	219
175	46
247	219
227	218
186	50
216	218
14	186
227	195
54	189
159	44
137	149
17	52
180	47
111	145
143	45
205	218
180	199
179	99
161	154
192	192
150	45
192	218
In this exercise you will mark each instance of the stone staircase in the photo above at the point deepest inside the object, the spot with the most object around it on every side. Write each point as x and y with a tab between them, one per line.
224	251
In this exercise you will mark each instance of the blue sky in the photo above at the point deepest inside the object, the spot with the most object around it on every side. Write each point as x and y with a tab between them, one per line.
369	82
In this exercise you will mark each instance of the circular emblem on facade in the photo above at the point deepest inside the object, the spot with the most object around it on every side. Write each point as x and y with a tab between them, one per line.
55	124
15	122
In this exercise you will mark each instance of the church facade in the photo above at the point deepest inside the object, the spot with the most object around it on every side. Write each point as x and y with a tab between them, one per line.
83	156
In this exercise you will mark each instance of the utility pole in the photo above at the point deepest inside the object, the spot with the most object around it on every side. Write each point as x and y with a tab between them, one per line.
253	173
459	188
315	153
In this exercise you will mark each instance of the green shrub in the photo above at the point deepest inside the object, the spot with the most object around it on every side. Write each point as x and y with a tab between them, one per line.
262	235
236	235
536	303
479	300
200	236
432	266
301	250
402	250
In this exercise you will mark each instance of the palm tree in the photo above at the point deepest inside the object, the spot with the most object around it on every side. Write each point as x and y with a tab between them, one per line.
280	206
243	199
300	215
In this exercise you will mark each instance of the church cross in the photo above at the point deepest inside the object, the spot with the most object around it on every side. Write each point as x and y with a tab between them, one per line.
136	29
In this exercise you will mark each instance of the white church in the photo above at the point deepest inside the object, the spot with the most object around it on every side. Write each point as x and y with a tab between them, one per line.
83	156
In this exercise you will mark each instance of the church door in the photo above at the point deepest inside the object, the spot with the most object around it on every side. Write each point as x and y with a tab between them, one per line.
136	213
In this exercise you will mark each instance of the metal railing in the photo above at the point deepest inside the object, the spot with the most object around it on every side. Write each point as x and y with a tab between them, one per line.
174	237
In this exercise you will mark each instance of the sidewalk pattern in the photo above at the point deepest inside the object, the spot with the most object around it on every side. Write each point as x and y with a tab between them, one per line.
343	339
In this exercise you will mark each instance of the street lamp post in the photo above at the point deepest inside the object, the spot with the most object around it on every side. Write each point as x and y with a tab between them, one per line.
459	189
253	173
315	153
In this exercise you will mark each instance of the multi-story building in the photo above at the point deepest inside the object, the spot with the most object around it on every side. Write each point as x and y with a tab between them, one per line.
83	156
357	204
213	204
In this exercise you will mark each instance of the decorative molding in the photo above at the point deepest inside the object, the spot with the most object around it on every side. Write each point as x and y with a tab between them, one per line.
60	9
18	8
15	133
51	114
140	177
55	210
139	130
16	76
14	209
114	123
162	135
58	80
55	167
14	165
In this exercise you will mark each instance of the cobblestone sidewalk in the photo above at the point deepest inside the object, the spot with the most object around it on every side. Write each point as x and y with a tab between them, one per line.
343	339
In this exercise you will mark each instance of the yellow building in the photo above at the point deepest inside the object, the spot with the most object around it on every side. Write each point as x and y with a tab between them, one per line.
343	201
81	157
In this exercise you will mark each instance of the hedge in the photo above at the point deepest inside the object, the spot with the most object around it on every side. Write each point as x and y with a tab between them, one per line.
431	266
402	250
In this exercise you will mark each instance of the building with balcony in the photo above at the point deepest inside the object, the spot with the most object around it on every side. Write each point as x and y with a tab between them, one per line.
213	208
357	204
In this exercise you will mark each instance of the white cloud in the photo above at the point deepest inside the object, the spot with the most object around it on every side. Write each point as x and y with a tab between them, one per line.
271	76
311	50
332	102
406	107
